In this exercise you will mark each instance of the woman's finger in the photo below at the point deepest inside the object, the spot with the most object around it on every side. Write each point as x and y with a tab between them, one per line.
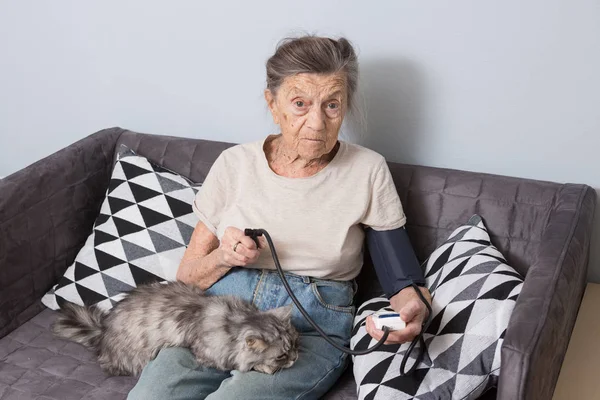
230	257
262	242
233	233
377	334
235	259
394	337
372	330
413	310
405	335
241	249
248	242
255	257
237	235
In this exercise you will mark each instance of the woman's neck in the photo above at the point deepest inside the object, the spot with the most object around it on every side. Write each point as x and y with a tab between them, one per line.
287	162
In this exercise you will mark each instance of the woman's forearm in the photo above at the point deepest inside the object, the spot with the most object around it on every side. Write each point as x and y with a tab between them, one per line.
202	271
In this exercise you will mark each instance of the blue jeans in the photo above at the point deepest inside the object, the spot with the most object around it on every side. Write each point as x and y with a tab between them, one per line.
174	373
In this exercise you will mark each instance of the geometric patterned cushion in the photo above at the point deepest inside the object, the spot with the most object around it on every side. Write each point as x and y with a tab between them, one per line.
145	224
474	292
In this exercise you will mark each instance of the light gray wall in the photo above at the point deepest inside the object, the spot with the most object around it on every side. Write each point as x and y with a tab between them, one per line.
509	87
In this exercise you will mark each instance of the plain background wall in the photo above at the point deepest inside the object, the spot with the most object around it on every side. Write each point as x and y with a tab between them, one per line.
509	87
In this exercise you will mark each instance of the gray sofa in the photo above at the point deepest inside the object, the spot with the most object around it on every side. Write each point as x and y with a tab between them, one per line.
47	211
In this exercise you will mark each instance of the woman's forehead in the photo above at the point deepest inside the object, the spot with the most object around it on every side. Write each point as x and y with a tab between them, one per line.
315	84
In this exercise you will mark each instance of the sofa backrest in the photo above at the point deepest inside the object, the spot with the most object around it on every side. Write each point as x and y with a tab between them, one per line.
436	200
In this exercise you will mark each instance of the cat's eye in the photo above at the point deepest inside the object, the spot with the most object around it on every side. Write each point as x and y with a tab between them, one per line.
281	357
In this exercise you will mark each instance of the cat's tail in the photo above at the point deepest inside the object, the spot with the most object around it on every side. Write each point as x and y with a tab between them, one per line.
80	324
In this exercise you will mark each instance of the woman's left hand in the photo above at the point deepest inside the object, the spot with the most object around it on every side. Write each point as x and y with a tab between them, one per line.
412	311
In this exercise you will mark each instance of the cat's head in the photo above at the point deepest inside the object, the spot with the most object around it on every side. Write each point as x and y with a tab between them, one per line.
269	342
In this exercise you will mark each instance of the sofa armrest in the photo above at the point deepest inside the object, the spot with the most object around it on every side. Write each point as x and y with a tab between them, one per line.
47	211
540	327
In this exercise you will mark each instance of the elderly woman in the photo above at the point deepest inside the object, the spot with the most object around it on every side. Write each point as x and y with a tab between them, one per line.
315	195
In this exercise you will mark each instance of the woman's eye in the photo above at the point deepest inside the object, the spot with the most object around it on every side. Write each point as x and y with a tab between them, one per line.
299	104
332	106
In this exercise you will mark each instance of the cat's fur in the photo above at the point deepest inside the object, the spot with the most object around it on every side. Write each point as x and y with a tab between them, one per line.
222	332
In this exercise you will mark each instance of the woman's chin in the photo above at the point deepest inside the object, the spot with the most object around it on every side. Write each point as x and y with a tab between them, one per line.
311	149
306	155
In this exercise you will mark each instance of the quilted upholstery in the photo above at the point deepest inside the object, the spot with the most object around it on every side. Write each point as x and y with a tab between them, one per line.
191	158
47	211
36	364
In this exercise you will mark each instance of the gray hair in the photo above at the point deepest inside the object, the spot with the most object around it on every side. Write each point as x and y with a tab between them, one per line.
316	55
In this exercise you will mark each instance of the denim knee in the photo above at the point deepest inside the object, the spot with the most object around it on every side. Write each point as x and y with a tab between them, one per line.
163	374
145	392
148	391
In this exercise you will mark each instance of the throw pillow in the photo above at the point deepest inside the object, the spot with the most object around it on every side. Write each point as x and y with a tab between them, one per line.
145	224
474	292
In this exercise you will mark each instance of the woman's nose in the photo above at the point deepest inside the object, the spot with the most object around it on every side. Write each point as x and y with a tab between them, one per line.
316	119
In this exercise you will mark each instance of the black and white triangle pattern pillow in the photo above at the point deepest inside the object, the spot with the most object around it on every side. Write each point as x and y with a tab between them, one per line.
474	292
145	224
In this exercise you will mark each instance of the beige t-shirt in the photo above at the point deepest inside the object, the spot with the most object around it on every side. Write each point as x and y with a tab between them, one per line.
316	222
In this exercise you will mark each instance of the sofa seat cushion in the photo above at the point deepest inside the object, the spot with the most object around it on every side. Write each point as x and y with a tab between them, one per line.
35	364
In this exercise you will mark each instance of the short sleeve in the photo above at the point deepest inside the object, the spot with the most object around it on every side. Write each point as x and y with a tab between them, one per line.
210	201
384	211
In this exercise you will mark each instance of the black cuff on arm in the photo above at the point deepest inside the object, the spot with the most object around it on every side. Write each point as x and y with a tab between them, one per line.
394	260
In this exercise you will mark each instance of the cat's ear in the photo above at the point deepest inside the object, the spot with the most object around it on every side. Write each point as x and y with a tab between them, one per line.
284	313
255	343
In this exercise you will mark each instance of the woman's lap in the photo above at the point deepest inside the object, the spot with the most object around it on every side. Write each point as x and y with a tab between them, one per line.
174	374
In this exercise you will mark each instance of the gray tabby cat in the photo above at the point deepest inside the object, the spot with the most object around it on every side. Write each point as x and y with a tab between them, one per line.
222	332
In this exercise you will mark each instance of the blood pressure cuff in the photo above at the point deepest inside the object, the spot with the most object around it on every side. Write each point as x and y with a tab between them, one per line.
394	260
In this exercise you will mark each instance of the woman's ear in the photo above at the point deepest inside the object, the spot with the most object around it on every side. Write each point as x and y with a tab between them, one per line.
272	104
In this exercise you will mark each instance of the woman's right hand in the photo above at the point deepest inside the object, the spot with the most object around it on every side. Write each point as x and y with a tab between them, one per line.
246	252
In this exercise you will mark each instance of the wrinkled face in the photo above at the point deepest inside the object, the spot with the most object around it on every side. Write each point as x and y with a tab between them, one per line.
310	108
